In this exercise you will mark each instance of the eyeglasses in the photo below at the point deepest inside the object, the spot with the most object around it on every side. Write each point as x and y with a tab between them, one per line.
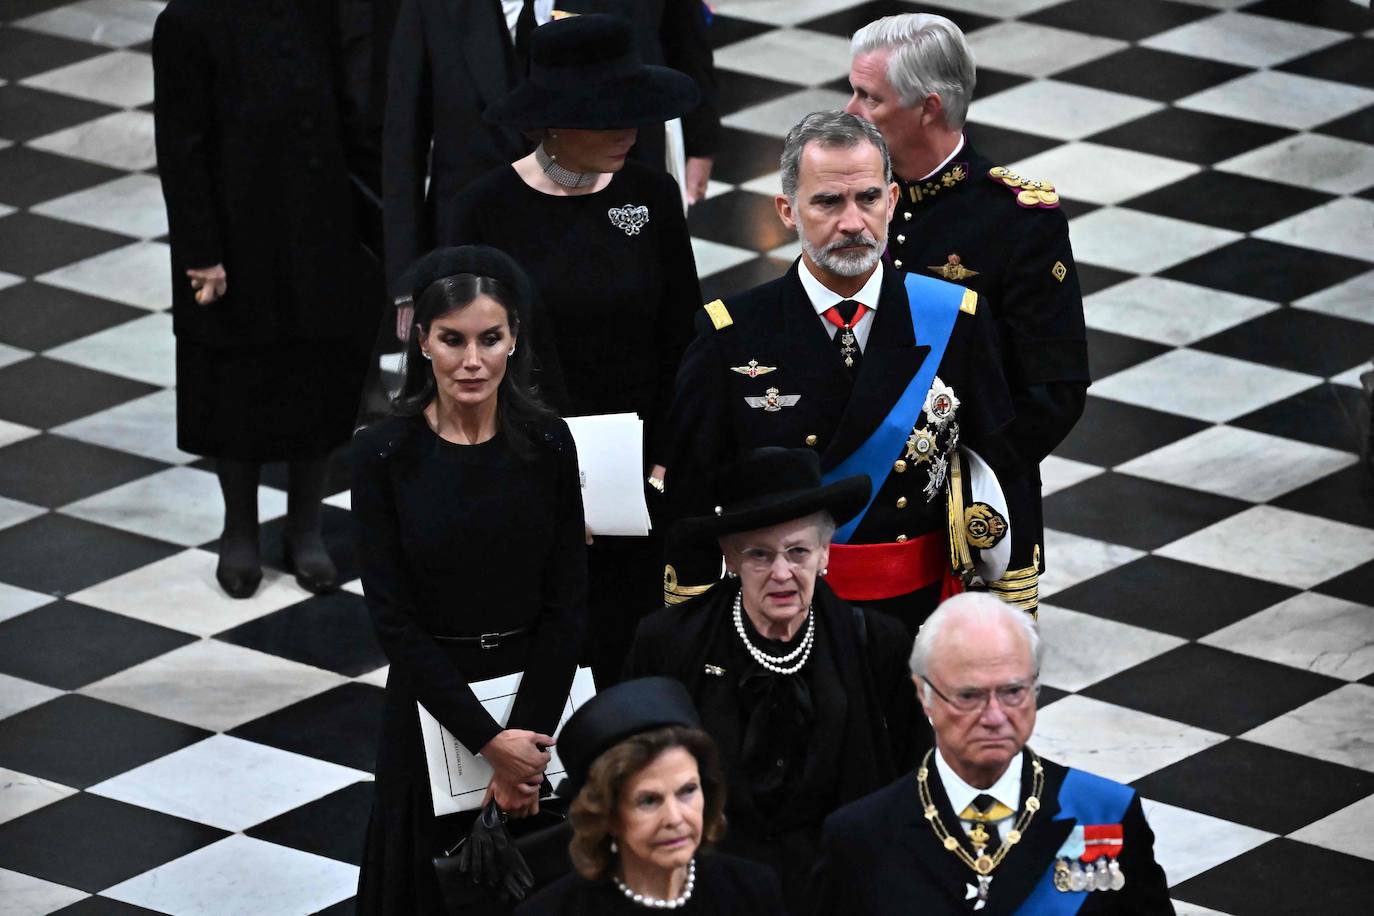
971	699
760	559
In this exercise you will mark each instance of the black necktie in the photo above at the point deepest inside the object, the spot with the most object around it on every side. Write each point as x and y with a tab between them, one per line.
524	25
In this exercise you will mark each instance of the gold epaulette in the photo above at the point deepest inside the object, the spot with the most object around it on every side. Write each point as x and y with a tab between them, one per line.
1031	194
969	304
719	314
673	593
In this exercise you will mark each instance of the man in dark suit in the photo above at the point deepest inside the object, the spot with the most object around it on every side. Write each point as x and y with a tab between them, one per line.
985	823
881	374
964	219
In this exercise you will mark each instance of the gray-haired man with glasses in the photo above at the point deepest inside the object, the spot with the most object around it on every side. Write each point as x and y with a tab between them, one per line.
992	826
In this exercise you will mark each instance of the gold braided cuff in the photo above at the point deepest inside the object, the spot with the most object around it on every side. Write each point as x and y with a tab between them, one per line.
674	593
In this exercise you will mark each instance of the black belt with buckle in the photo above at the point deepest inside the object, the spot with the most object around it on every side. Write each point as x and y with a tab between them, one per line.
486	640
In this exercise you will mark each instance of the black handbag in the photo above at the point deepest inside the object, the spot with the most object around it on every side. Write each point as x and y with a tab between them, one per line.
517	858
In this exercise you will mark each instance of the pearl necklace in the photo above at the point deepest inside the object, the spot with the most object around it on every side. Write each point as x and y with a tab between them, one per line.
560	175
777	664
657	903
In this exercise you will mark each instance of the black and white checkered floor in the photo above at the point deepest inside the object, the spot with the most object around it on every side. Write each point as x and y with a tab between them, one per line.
1208	612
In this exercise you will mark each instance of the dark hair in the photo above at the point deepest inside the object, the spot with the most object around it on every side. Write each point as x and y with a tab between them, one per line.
518	403
596	808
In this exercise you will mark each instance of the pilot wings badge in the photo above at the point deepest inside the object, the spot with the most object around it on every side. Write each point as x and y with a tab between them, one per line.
772	401
753	370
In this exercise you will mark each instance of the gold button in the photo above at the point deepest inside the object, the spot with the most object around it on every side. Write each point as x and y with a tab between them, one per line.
897	264
901	240
811	439
901	502
906	214
901	538
899	466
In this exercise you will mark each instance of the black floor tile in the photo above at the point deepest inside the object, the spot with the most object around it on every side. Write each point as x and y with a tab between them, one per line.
1297	339
1357	126
848	21
1230	201
1049	695
43	393
1109	353
1356	585
751	155
1322	415
1349	62
1007	146
347	907
1268	270
103	906
744	276
1130	20
1345	496
30	176
1190	136
1093	278
1242	692
1172	597
990	82
726	30
1283	876
52	471
333	632
79	741
340	725
1257	785
334	826
740	218
1073	209
1145	514
42	554
1112	432
26	113
1148	73
36	316
69	645
31	244
737	91
1347	16
24	53
92	843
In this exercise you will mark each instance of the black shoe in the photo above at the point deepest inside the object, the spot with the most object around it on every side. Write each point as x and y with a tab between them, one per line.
316	574
238	581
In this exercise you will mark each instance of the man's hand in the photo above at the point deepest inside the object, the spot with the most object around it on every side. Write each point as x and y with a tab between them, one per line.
210	283
698	174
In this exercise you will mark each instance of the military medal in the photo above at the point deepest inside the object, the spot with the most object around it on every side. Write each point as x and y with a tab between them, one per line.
941	403
1077	880
753	370
1118	880
952	270
920	445
939	467
772	401
847	348
1061	876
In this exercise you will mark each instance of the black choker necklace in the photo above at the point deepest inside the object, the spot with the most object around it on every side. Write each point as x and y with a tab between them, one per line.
559	175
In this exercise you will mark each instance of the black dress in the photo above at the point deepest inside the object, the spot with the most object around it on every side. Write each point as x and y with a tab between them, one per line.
616	276
725	886
459	540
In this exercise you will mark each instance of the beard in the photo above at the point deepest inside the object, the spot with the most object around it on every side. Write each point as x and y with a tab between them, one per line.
844	263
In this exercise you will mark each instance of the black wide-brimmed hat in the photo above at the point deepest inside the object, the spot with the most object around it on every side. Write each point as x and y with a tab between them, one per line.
772	485
584	74
617	713
479	260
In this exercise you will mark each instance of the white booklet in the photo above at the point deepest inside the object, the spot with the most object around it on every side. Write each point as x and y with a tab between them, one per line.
458	777
610	455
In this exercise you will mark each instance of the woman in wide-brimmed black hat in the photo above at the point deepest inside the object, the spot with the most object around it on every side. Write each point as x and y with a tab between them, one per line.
605	242
808	698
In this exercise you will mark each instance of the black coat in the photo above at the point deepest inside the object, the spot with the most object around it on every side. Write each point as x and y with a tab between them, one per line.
726	886
251	158
880	856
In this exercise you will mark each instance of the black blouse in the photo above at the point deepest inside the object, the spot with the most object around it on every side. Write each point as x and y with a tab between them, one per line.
725	886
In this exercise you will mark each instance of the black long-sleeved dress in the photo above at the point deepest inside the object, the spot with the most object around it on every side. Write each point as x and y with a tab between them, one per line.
459	540
725	886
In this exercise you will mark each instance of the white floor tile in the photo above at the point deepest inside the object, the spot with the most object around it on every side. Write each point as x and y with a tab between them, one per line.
1081	649
1277	545
25	895
11	433
769	185
342	500
1309	161
217	686
1282	99
12	511
8	280
1142	242
775	12
1314	632
779	116
1352	299
137	275
21	793
1239	462
1334	727
181	505
10	355
180	592
713	257
1114	741
228	783
1167	311
131	205
1101	174
1345	831
239	876
1351	377
1343	226
1202	385
787	251
1188	843
1181	908
143	349
15	601
1037	50
17	695
1070	559
116	23
375	678
1240	38
123	140
1060	110
792	55
1005	8
1061	473
145	426
122	78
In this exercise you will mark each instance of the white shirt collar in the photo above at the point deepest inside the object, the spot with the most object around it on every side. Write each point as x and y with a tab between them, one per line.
955	152
822	297
1007	789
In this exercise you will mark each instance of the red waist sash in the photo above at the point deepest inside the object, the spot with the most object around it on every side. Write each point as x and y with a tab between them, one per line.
872	572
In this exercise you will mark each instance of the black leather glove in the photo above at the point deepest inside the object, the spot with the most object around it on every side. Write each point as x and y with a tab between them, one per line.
489	856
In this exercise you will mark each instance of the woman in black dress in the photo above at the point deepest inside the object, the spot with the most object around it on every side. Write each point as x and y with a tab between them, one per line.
647	793
470	536
606	244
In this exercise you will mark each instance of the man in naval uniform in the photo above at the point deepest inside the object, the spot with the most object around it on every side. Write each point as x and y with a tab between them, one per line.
965	219
985	824
882	373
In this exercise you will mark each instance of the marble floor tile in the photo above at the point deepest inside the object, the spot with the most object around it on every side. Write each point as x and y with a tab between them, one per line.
1038	50
239	876
13	512
143	350
793	55
375	678
1343	226
115	23
1060	110
769	185
181	505
144	426
1277	545
1061	473
1081	649
775	12
228	783
1070	559
1004	8
24	895
123	140
353	585
213	685
131	205
1240	463
7	280
17	695
1334	727
1309	631
1283	99
343	500
1102	174
1352	299
788	251
1167	311
11	433
1309	161
1345	831
1351	377
15	601
1113	741
1188	843
181	592
1181	908
1233	387
716	188
136	275
1141	242
122	78
712	257
777	117
1239	38
21	793
10	355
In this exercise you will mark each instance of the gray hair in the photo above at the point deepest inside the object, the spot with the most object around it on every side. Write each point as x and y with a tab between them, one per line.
822	520
832	130
979	606
929	54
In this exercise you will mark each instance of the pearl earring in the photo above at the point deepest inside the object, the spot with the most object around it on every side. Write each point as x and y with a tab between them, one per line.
825	571
425	355
614	848
511	353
